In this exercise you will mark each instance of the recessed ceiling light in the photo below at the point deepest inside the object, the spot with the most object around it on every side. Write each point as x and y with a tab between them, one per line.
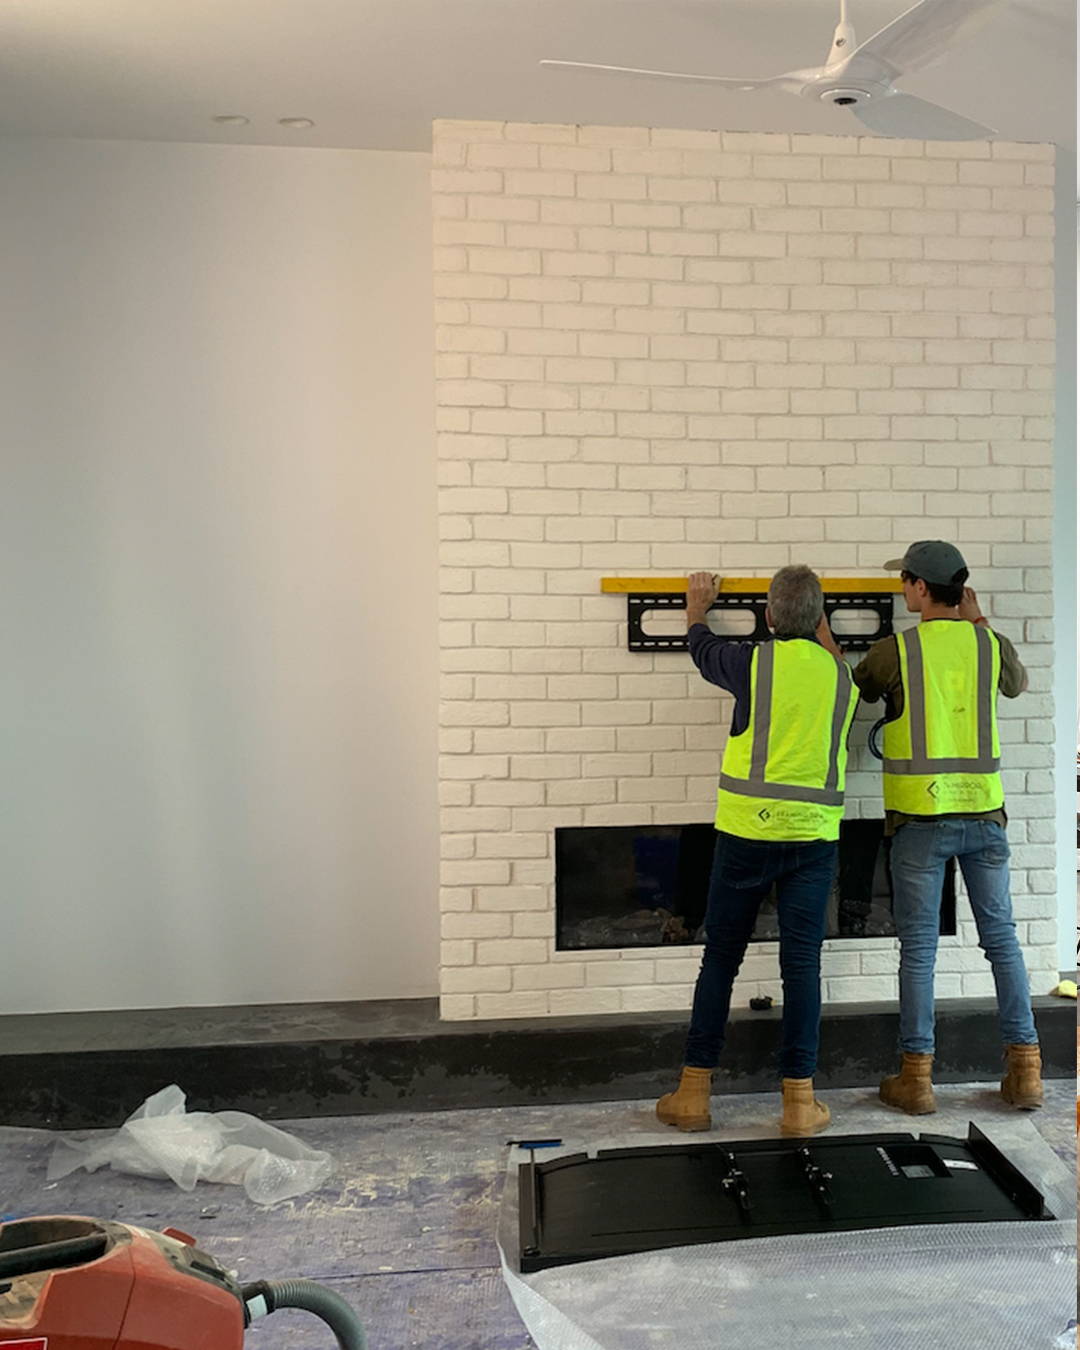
296	123
231	120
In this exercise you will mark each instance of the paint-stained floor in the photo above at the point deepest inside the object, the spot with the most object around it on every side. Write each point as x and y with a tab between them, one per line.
406	1228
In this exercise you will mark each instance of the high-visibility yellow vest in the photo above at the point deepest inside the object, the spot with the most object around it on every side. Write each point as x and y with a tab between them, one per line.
942	754
783	777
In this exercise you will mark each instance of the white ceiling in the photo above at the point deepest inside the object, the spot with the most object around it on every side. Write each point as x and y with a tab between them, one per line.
375	73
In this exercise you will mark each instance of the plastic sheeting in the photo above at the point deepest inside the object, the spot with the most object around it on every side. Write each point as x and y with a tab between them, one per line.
163	1140
954	1286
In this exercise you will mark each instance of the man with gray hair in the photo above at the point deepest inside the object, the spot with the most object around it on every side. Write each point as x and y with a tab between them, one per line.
779	806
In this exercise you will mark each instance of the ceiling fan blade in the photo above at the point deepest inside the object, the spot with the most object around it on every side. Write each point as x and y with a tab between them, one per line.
918	37
915	119
721	80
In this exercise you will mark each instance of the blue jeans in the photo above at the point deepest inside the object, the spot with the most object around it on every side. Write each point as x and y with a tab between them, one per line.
743	873
920	851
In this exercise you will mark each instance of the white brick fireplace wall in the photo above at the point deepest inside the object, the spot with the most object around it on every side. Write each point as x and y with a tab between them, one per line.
660	351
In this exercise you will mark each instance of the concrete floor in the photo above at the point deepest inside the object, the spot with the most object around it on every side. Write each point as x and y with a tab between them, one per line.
405	1229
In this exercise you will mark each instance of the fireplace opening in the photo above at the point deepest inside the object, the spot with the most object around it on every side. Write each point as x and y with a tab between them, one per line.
647	886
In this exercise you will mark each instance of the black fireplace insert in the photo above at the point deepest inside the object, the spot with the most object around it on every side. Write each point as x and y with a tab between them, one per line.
647	885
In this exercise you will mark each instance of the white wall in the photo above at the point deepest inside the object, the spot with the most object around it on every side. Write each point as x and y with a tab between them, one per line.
1065	559
217	526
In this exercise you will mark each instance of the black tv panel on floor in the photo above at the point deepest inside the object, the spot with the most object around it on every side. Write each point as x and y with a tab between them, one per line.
627	1200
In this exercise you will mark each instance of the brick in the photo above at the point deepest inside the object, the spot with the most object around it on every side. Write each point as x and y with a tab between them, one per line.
657	998
682	189
612	186
936	223
613	136
794	220
576	158
503	314
825	503
746	193
469	232
992	174
511	951
512	845
960	382
458	926
860	220
830	245
786	167
657	215
570	975
748	244
826	194
579	1002
475	979
466	180
512	1005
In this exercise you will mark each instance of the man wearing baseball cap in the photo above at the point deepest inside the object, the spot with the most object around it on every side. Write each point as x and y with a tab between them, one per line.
944	799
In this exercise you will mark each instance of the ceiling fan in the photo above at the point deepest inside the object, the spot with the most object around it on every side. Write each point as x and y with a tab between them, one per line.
863	78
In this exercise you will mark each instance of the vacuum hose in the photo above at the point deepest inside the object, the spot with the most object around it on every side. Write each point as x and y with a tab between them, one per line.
269	1296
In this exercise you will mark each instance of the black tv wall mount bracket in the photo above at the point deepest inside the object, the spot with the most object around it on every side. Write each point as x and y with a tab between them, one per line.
644	595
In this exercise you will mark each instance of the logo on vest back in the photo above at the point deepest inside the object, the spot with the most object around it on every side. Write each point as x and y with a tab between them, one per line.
931	788
765	814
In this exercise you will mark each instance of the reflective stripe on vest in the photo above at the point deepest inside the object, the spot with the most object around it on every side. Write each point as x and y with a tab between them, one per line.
921	762
756	784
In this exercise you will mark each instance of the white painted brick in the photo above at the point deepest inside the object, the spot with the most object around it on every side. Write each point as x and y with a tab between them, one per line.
682	189
542	660
830	245
791	219
786	167
748	244
570	975
745	192
550	288
821	194
476	979
577	264
969	391
465	180
654	998
576	158
828	503
617	815
611	186
868	988
613	136
475	926
644	215
578	1002
500	313
511	951
512	1005
992	174
558	211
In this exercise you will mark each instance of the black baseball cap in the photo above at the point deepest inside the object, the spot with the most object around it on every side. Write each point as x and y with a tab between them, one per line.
932	560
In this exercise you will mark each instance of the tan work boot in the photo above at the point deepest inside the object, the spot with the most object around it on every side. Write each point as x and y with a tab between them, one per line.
1022	1084
911	1089
803	1113
688	1106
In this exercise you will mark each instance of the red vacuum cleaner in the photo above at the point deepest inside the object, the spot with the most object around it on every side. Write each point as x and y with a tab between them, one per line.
81	1284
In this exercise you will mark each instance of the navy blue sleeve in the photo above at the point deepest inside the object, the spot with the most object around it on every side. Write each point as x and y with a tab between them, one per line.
726	664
